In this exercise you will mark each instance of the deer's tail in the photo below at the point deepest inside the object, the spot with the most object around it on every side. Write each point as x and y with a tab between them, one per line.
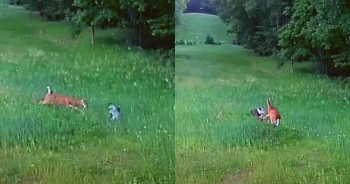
268	102
49	91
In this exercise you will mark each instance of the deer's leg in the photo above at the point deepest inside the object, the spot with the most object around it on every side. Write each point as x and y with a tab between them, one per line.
275	133
263	118
272	121
267	115
76	108
71	106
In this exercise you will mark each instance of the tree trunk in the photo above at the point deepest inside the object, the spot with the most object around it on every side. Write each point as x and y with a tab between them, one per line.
291	66
326	63
133	20
140	36
92	34
277	20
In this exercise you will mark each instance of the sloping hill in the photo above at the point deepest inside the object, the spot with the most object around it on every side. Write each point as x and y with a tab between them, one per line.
197	24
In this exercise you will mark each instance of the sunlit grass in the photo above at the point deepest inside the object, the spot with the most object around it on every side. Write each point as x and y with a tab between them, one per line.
217	140
61	145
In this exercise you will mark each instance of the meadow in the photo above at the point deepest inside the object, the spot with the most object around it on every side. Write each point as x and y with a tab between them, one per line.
46	144
219	142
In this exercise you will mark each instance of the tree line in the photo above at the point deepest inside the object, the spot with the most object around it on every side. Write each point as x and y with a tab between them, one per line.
293	30
152	22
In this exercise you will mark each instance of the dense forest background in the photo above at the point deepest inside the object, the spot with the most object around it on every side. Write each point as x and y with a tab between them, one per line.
291	30
152	22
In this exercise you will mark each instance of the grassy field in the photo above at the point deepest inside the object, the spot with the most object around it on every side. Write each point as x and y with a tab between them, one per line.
202	25
44	144
218	142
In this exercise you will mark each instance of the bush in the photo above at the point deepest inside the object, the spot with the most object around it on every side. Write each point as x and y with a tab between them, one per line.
209	40
236	42
189	43
181	42
15	2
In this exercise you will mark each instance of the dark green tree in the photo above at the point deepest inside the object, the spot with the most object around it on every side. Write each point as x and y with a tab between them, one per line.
319	31
294	30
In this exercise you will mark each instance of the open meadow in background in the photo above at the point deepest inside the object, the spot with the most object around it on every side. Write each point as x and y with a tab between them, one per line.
44	144
193	25
218	141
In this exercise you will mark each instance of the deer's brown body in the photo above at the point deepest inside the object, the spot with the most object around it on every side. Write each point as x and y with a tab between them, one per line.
52	98
273	114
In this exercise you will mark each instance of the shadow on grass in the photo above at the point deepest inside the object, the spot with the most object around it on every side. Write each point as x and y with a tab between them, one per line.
262	136
306	68
55	134
281	136
182	56
110	40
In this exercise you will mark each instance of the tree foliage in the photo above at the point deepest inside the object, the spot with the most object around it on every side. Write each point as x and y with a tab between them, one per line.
180	6
318	31
297	30
152	21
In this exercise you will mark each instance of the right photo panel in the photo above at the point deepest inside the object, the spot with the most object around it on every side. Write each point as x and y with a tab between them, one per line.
262	91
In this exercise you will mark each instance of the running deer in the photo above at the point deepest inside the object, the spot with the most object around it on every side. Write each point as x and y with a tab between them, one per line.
273	114
52	98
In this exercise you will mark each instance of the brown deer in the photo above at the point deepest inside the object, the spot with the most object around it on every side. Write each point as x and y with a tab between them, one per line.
52	98
273	114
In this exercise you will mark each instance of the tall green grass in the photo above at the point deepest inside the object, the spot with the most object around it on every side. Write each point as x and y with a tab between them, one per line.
218	141
44	144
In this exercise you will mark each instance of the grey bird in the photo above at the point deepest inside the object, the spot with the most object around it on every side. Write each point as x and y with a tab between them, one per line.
115	112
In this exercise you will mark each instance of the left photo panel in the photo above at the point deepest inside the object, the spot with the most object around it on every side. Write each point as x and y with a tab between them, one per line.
87	91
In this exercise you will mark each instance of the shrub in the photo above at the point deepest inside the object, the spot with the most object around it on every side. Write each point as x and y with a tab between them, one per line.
209	40
181	42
